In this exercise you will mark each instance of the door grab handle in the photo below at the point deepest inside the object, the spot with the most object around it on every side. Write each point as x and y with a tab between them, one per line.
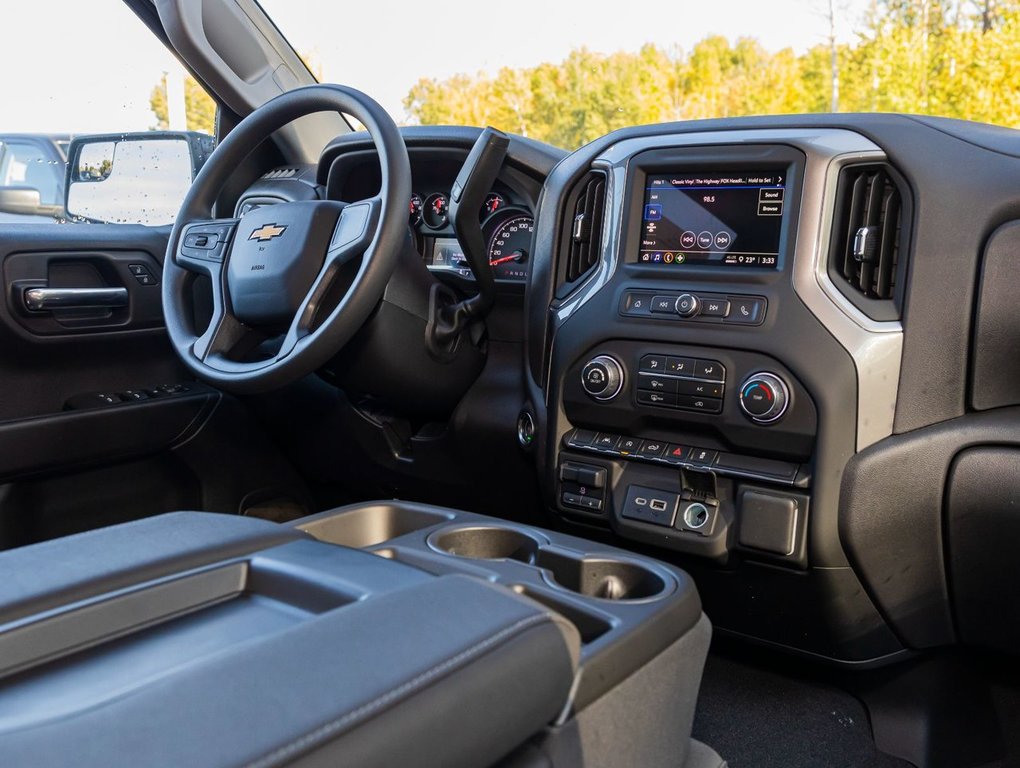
49	299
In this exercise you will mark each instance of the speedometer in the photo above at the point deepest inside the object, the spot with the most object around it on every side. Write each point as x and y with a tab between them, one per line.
509	248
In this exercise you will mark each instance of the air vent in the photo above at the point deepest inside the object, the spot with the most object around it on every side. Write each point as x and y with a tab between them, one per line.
282	173
870	243
584	229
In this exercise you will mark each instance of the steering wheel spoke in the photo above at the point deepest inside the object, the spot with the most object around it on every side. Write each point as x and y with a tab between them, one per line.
352	236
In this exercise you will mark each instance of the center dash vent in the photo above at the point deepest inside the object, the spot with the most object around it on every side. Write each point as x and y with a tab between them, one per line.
586	215
870	238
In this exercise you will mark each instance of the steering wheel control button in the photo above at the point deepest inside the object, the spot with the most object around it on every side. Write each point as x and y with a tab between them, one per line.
650	505
602	377
764	398
687	305
746	310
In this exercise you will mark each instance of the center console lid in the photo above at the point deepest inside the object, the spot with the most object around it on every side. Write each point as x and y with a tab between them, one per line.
204	640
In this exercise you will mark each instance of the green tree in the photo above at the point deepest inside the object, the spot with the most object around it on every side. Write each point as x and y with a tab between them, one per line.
199	108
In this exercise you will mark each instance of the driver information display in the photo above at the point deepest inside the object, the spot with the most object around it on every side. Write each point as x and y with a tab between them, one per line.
732	219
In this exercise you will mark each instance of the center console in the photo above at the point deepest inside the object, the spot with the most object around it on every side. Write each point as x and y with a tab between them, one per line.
699	389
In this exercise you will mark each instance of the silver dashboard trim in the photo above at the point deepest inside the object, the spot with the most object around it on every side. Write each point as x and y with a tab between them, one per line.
875	347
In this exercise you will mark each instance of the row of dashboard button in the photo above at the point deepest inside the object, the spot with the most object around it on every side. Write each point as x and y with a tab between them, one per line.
700	307
675	454
683	367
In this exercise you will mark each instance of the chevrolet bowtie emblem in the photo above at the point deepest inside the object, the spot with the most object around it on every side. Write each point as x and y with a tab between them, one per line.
267	232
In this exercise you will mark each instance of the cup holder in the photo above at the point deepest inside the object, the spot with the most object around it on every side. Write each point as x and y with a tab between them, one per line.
488	542
602	577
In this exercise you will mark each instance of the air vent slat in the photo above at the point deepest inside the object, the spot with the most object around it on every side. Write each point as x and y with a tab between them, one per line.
584	229
868	230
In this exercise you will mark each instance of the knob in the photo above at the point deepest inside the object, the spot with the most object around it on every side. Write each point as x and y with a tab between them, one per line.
764	397
602	377
687	305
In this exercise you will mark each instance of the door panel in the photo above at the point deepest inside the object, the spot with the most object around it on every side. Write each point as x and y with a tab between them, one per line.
99	421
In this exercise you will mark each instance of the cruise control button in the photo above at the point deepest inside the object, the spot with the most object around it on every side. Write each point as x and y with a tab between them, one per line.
680	366
664	305
704	404
653	363
653	449
700	388
709	369
658	383
746	311
714	307
645	397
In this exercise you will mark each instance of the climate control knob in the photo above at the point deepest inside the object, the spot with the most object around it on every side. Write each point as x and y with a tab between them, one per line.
602	377
764	398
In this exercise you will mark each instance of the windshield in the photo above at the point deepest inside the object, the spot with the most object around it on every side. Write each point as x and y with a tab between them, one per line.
568	72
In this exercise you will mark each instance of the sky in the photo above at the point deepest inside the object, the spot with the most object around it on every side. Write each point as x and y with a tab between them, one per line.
94	69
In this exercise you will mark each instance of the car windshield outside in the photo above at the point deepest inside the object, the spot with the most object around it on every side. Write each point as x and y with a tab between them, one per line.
568	72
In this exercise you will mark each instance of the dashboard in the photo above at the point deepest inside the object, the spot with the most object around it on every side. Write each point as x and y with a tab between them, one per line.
733	331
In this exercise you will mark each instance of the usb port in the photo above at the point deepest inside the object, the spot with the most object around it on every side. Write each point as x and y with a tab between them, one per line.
658	505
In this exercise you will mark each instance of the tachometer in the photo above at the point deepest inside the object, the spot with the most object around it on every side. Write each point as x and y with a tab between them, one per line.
509	246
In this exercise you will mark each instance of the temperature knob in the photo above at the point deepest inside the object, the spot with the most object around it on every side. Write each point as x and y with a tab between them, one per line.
764	397
602	377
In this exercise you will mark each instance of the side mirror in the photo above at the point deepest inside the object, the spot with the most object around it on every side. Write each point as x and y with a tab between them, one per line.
26	201
133	178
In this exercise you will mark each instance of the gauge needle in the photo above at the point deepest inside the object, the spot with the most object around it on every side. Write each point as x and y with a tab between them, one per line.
515	256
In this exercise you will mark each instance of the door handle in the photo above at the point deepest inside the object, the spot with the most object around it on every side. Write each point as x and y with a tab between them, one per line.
49	299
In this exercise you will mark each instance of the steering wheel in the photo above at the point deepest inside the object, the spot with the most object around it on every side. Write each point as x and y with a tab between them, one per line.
275	272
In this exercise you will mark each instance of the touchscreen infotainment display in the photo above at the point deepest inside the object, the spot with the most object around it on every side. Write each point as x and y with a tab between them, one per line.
733	218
